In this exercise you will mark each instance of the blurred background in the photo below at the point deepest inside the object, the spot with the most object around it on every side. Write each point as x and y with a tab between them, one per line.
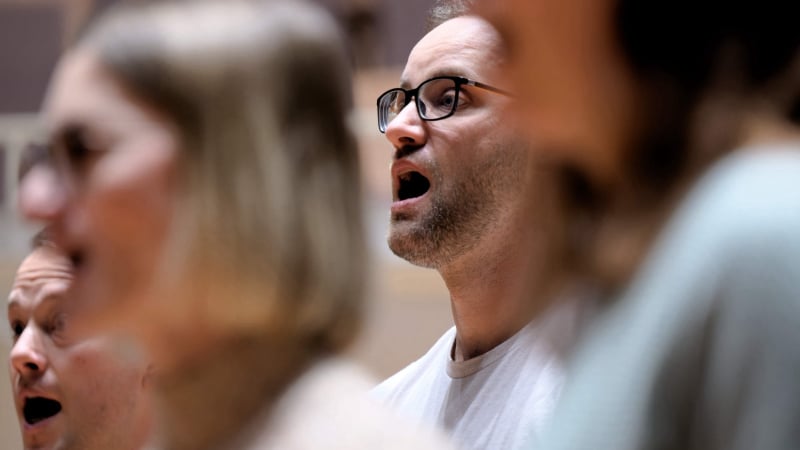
408	306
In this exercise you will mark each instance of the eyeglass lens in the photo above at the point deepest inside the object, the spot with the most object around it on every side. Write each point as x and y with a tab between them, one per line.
436	99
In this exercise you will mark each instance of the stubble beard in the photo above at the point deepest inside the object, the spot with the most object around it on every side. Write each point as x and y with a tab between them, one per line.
459	218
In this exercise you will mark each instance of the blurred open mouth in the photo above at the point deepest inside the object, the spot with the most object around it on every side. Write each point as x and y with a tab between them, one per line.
37	409
412	185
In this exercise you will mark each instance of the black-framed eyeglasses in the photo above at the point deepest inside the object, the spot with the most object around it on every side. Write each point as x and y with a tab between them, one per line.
436	99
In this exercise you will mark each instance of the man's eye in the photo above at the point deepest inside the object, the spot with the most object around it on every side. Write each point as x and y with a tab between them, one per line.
447	99
397	103
58	326
57	323
16	329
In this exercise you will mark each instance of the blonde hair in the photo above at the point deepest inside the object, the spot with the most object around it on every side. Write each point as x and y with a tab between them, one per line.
269	227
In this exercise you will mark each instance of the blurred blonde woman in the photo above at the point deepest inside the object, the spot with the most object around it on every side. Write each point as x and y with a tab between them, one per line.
206	187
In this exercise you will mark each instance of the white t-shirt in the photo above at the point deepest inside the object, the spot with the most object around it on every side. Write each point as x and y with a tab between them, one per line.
329	408
498	400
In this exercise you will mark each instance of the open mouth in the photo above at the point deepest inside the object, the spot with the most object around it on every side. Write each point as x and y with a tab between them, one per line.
412	185
37	409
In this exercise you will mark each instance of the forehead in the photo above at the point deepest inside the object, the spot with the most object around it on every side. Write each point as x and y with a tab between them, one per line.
465	46
83	91
42	274
78	88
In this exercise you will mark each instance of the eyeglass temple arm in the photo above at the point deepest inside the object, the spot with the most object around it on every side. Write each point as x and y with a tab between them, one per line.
478	84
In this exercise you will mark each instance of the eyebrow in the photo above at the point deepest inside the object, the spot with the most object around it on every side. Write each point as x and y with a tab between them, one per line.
440	72
13	304
48	302
13	294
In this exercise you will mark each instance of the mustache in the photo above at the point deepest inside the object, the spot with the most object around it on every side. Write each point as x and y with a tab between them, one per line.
406	150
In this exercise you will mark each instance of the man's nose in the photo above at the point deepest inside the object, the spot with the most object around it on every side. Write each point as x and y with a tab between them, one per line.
42	194
407	128
28	357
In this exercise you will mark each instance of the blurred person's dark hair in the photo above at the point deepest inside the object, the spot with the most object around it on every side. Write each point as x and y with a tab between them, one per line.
706	62
707	70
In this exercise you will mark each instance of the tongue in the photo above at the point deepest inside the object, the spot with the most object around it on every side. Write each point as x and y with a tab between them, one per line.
39	408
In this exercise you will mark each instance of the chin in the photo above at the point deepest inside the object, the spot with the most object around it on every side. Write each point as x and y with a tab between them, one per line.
413	251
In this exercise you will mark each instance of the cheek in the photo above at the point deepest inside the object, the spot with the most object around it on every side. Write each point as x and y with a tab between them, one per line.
94	378
129	208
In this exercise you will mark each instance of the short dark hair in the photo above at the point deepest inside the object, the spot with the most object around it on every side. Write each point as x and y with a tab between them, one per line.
444	10
725	52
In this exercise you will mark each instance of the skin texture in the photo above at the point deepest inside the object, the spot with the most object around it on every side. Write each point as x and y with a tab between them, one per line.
579	98
110	202
471	225
101	386
473	164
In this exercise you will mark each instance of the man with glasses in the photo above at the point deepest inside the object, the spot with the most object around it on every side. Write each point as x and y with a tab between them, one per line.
460	177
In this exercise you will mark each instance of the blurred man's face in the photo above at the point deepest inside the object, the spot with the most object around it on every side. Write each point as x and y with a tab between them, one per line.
69	392
578	97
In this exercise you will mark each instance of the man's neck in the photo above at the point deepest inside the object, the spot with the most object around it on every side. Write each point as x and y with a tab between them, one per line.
489	294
